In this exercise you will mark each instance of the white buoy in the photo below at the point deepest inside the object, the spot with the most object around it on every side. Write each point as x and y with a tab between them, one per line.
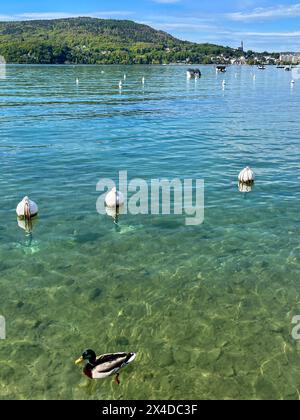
292	82
246	176
254	77
143	80
114	198
102	71
27	209
77	81
120	84
125	76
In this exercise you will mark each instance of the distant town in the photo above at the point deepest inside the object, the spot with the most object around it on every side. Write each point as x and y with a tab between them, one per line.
254	58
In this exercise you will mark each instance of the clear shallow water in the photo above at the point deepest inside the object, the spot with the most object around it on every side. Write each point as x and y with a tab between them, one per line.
207	308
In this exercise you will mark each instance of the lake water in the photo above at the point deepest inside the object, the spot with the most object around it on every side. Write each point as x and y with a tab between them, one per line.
207	308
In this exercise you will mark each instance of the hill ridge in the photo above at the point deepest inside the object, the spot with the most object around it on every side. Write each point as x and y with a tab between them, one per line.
88	40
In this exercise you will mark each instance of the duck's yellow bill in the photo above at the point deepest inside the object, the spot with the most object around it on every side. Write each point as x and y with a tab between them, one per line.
78	361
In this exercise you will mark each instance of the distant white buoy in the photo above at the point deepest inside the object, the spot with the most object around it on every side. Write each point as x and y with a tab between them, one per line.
77	81
125	76
27	209
143	80
246	176
102	71
114	198
292	82
120	84
254	77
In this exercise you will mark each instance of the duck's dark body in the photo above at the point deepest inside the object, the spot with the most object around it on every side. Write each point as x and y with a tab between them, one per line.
107	364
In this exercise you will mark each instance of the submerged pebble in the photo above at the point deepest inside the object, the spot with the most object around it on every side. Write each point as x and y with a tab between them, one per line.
6	373
94	294
122	341
265	390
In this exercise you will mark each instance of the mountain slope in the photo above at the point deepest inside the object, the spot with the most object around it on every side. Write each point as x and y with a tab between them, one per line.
97	41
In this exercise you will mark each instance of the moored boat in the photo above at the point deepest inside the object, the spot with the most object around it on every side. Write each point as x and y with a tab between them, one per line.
193	73
221	68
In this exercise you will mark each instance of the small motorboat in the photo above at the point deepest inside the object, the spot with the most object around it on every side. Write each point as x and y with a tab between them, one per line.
221	69
288	68
193	73
261	67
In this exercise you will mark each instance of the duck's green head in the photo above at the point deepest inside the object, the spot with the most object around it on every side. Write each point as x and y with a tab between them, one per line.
89	356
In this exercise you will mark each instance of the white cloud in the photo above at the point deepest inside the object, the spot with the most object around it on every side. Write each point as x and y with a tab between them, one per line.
180	22
294	34
258	41
267	13
6	18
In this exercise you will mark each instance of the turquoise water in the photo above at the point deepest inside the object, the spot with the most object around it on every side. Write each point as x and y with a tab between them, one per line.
207	308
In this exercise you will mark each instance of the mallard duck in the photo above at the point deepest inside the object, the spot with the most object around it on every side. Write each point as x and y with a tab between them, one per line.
105	365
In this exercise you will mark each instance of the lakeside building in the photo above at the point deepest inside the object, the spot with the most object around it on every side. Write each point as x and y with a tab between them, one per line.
239	61
293	58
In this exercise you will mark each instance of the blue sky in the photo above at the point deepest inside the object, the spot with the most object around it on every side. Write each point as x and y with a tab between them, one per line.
262	25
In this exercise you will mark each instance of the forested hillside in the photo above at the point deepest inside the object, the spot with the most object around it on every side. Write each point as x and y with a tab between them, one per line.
98	41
